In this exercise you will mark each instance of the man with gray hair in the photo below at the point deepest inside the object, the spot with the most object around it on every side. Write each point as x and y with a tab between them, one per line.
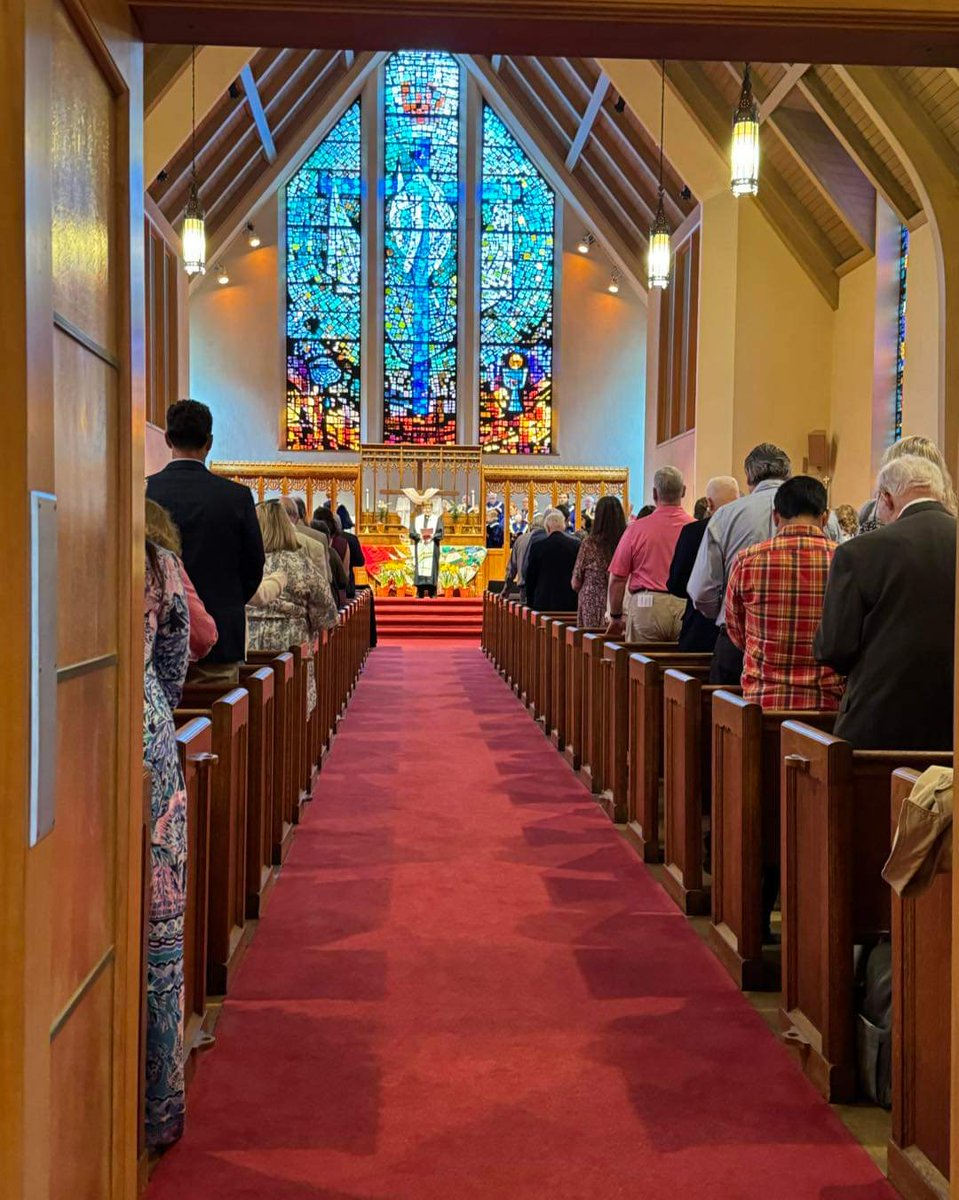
313	545
698	633
549	567
639	604
515	584
736	526
889	616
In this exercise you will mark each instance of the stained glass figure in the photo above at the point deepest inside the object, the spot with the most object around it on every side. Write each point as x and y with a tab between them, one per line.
516	298
323	293
901	329
420	230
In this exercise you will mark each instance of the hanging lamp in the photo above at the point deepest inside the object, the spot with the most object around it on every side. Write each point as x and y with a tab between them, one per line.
193	235
660	248
744	148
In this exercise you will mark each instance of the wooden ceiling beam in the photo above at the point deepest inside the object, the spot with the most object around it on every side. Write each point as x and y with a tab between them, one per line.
798	231
260	122
349	57
496	61
589	117
553	166
858	147
649	167
542	70
776	95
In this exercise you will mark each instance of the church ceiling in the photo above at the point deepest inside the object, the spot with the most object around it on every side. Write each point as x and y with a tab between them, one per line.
824	156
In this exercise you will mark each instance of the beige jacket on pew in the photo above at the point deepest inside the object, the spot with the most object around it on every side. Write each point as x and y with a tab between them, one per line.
923	842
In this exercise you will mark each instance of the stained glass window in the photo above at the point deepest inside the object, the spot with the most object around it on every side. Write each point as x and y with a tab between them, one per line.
516	298
323	202
901	328
420	228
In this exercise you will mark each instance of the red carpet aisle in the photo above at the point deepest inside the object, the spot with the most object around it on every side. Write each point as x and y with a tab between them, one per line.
447	616
467	987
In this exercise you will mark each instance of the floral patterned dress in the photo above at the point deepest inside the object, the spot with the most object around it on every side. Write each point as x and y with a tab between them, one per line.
591	575
166	641
303	608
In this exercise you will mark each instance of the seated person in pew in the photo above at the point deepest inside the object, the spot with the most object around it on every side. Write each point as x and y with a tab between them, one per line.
697	634
889	616
305	605
166	657
774	604
591	572
549	567
639	604
161	531
742	523
222	546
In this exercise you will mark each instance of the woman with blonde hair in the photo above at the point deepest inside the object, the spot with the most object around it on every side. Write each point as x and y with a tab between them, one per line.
925	448
304	606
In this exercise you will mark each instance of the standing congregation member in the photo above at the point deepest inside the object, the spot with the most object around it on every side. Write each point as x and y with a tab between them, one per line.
357	557
549	567
166	651
591	572
313	544
925	448
697	634
736	526
639	603
161	531
774	604
326	522
889	615
304	606
515	585
222	546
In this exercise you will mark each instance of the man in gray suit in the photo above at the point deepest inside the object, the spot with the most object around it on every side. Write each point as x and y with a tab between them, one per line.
889	616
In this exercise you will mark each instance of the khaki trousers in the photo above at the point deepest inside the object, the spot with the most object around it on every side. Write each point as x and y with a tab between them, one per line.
653	617
203	672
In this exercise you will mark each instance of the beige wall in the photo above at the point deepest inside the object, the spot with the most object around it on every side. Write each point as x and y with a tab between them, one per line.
922	388
852	386
237	358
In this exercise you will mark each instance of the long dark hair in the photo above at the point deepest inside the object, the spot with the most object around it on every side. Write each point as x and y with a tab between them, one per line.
609	525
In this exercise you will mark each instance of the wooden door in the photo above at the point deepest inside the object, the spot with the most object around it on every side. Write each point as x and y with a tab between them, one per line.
72	425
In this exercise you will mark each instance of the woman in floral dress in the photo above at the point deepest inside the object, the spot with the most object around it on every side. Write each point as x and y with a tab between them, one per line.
306	604
591	572
166	656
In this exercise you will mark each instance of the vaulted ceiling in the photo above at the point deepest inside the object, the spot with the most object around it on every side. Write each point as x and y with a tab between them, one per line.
824	158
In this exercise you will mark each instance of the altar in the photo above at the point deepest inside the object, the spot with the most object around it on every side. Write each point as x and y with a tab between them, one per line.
471	491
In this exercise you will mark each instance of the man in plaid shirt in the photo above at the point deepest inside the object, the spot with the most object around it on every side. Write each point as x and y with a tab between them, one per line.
774	604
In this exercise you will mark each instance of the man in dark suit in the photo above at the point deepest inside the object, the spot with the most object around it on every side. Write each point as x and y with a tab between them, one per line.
549	567
697	634
222	544
889	616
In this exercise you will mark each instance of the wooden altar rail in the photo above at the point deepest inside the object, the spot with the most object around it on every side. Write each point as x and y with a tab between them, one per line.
250	756
918	1150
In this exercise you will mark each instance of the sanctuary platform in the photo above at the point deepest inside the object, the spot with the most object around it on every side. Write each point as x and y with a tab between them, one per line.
402	617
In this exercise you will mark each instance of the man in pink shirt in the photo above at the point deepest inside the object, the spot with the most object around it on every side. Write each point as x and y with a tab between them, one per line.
639	604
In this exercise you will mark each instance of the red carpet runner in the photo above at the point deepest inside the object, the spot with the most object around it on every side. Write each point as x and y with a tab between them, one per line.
467	987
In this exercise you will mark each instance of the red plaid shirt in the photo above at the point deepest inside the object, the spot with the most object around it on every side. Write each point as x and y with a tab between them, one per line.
773	609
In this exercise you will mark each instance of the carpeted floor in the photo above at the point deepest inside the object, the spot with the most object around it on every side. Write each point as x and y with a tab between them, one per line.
467	986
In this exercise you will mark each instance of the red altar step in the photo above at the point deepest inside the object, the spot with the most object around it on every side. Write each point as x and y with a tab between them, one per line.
446	616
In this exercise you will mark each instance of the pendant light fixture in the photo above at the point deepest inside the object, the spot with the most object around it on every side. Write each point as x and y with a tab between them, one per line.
193	235
660	249
744	149
613	288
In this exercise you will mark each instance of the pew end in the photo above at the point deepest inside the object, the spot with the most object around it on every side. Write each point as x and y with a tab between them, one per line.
918	1153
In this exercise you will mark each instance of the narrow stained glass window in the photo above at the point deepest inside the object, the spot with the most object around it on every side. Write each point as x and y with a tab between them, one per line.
901	328
323	293
516	298
421	207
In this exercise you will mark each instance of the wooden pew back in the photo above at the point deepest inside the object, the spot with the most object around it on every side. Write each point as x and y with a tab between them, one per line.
646	741
573	749
918	1151
835	839
285	788
543	662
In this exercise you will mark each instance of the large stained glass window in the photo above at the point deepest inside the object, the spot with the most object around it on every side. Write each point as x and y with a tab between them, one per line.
422	102
323	304
516	298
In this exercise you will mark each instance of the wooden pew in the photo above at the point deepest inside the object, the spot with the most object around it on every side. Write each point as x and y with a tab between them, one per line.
918	1150
303	772
573	749
687	769
645	741
146	892
745	787
285	785
835	839
230	718
558	688
613	732
543	662
194	742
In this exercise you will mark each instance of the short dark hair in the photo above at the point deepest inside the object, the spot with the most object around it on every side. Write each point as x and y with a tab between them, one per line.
300	506
564	509
801	496
766	461
189	425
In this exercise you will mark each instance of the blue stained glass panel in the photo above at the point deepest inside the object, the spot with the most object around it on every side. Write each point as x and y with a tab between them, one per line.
420	230
323	293
516	297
